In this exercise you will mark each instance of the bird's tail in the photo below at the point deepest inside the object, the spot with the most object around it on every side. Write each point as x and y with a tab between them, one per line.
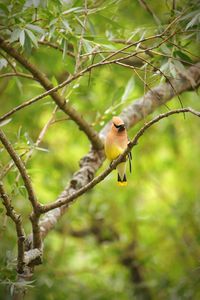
121	182
121	178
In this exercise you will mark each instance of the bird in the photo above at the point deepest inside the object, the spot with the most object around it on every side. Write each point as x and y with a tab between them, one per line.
116	142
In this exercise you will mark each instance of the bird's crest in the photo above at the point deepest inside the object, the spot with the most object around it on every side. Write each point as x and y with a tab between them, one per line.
117	121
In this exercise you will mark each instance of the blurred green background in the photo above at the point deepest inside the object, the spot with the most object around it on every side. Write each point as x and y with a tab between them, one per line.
138	242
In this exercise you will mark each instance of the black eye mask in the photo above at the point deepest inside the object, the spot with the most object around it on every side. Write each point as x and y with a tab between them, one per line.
119	127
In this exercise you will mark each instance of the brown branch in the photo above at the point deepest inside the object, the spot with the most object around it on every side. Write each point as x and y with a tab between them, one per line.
131	115
59	99
39	139
19	164
67	200
29	153
165	76
55	46
18	225
19	74
27	182
32	255
9	166
81	73
157	36
143	81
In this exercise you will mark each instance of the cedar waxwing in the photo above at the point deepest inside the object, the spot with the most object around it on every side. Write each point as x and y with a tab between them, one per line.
115	143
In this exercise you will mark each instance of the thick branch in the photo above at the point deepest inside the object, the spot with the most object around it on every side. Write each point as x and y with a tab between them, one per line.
60	100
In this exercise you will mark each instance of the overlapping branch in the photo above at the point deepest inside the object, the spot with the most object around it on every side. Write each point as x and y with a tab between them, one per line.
60	100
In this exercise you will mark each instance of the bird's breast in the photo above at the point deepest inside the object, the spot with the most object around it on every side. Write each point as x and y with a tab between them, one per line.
112	151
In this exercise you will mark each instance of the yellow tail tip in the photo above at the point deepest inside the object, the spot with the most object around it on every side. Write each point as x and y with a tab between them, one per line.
124	183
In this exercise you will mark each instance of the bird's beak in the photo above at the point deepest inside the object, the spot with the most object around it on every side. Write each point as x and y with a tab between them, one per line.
121	127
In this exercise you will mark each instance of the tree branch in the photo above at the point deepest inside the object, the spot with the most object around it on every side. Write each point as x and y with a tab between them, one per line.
105	61
60	100
20	165
150	11
18	225
131	115
19	74
78	62
67	200
27	182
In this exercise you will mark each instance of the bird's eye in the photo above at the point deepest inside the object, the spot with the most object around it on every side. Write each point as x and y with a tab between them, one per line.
118	126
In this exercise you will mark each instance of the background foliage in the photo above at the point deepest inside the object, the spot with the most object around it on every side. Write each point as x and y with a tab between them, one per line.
141	242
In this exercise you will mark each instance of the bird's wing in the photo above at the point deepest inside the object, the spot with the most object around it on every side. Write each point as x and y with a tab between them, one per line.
130	160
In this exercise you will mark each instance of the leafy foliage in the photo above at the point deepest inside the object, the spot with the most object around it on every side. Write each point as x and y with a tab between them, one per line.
112	244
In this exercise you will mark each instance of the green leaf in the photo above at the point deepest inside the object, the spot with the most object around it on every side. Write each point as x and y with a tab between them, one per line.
42	149
64	48
35	28
194	21
22	37
165	49
28	139
179	66
172	70
165	67
183	56
88	48
27	45
3	63
5	122
128	89
32	37
66	25
73	9
4	8
15	35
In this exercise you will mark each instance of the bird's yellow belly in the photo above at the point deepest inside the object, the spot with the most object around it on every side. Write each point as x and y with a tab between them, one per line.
113	152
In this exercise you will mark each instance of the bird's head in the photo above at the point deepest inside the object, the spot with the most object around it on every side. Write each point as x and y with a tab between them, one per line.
118	124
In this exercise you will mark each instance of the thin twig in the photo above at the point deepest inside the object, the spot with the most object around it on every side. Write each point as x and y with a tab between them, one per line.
19	74
165	76
78	62
77	75
57	98
55	46
9	62
150	11
40	138
9	166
